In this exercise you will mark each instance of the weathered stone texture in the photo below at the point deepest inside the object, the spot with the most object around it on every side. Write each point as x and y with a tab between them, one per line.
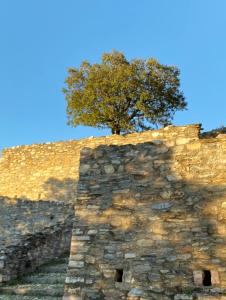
50	171
153	212
150	214
32	233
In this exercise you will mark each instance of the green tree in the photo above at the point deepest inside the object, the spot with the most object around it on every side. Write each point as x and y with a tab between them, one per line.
123	95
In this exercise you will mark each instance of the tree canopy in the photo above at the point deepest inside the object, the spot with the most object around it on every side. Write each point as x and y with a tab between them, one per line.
123	95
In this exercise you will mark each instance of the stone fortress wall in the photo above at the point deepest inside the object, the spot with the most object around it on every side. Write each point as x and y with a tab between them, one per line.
150	210
151	219
50	171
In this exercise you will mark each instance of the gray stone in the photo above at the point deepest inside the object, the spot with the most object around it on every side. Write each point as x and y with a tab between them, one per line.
162	205
136	292
130	255
84	168
74	279
109	169
76	264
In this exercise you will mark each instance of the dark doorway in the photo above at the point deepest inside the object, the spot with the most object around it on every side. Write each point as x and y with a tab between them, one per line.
118	275
206	278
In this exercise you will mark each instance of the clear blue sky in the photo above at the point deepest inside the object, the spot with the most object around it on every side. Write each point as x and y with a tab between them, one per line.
40	39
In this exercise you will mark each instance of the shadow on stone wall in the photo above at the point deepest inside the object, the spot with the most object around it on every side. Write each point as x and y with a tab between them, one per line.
156	212
32	233
63	190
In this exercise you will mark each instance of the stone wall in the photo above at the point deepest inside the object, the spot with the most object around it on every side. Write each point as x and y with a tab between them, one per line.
32	233
150	219
150	213
50	171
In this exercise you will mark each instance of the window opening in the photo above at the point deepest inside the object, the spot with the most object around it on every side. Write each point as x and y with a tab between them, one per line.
118	275
27	264
206	278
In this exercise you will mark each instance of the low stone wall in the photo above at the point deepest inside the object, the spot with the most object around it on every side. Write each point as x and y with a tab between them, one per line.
150	220
32	233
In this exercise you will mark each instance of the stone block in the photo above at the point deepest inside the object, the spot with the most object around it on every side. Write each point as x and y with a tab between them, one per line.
162	205
130	255
135	292
109	273
83	238
183	297
71	297
76	264
207	297
92	232
215	280
109	169
74	279
76	257
173	178
145	243
198	277
127	277
90	259
84	168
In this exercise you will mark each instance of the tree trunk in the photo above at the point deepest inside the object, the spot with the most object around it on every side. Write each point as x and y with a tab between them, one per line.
115	131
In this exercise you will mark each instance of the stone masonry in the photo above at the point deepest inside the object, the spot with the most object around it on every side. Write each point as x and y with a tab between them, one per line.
50	171
149	213
32	233
150	220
